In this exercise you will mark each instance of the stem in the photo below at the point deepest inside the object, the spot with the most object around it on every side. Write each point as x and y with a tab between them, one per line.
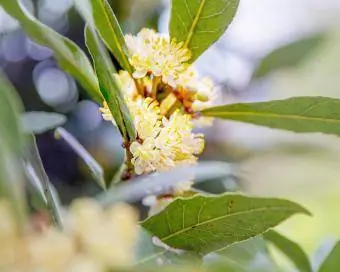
139	86
155	82
129	170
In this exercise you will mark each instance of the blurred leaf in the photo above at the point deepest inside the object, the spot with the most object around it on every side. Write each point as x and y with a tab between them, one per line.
250	255
208	223
288	55
200	23
69	56
38	122
291	249
95	168
109	86
332	262
146	251
39	180
11	149
163	182
298	114
110	31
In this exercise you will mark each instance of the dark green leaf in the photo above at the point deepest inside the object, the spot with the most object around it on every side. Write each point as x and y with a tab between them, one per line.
69	56
109	86
208	223
95	168
332	262
39	122
110	31
288	55
200	23
291	249
298	114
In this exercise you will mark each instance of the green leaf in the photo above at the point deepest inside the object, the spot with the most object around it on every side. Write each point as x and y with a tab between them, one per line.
69	56
146	251
11	149
95	168
39	180
110	32
38	122
109	86
200	23
298	114
332	262
205	224
291	249
288	55
247	256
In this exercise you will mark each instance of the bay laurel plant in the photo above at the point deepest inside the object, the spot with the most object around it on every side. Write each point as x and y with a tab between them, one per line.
155	98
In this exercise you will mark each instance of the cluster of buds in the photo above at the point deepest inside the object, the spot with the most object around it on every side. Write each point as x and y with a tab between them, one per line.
92	240
163	95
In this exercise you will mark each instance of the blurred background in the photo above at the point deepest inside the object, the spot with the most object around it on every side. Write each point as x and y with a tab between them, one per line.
303	168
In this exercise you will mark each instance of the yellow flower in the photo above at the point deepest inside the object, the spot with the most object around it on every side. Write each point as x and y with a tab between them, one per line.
150	52
51	250
145	156
146	116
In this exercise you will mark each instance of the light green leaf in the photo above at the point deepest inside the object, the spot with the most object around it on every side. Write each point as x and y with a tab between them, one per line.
163	182
38	122
332	262
146	251
247	256
11	149
95	168
291	249
298	114
109	86
288	55
69	56
205	224
200	23
109	30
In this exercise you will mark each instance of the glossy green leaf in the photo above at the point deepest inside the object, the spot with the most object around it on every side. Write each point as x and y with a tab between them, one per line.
11	149
38	122
288	55
291	249
332	262
69	56
109	86
95	168
298	114
208	223
200	23
109	30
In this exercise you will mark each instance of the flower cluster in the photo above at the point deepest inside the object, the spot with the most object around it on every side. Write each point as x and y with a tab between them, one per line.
163	95
91	240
